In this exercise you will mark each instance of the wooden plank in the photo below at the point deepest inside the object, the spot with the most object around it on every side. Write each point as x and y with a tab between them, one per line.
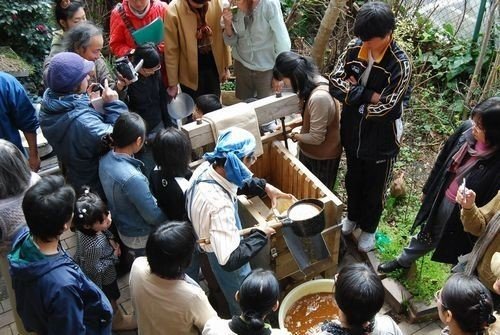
331	236
307	187
285	265
295	180
267	109
301	183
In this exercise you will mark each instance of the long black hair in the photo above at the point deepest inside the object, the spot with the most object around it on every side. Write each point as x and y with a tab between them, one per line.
299	69
172	152
258	294
68	12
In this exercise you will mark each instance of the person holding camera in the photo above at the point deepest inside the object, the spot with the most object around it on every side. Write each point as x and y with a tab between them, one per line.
71	126
127	17
147	97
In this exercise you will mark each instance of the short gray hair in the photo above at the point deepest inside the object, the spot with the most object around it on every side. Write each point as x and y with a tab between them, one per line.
15	173
80	35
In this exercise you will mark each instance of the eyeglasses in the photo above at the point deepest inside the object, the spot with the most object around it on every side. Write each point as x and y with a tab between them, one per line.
151	70
476	125
437	296
252	159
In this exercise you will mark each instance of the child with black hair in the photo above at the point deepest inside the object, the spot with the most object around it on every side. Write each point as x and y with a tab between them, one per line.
97	251
148	97
134	208
53	295
370	80
258	296
166	299
359	293
464	306
169	180
206	103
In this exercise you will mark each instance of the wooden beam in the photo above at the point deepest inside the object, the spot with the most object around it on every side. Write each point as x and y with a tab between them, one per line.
267	109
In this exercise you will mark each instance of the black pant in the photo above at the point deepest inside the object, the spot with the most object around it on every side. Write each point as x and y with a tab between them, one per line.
366	183
208	78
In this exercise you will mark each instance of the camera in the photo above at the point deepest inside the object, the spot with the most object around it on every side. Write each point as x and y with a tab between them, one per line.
124	67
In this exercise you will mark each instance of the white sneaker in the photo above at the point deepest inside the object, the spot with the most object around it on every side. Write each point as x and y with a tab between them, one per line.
348	226
366	242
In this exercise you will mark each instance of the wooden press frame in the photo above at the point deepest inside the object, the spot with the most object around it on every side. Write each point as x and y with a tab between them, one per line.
280	168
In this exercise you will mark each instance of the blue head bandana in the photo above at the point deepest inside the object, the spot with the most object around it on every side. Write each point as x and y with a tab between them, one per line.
234	144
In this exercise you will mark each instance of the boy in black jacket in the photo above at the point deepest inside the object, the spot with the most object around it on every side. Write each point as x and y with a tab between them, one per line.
370	79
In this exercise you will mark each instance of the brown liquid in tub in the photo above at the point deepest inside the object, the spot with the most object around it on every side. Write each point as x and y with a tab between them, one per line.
308	313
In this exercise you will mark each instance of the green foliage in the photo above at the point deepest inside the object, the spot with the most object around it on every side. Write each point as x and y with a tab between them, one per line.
395	235
307	17
228	86
442	61
25	30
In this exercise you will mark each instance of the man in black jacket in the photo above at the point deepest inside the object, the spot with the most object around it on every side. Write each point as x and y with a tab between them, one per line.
370	79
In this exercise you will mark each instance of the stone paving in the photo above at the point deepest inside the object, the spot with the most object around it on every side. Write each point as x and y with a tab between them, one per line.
8	327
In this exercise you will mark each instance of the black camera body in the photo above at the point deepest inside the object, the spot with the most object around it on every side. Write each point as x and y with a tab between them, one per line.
124	67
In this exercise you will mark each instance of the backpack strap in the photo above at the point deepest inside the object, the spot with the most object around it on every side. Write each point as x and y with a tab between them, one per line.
125	18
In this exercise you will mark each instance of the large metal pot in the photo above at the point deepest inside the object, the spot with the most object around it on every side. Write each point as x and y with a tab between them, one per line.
297	218
306	217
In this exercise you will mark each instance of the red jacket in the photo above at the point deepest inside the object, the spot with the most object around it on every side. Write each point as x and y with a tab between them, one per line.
120	39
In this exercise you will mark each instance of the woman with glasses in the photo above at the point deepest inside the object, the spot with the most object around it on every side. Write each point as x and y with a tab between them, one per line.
464	306
256	34
469	158
359	294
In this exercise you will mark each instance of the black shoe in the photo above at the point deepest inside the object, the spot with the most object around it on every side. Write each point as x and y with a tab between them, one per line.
390	266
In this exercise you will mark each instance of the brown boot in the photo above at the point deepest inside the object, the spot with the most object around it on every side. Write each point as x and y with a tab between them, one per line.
123	321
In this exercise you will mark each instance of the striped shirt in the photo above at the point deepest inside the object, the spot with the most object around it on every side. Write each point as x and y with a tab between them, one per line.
210	203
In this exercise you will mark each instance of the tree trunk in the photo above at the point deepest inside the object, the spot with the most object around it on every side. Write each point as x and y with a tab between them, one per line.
328	22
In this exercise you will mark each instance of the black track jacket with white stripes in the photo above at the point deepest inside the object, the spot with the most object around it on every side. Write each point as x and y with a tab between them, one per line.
371	131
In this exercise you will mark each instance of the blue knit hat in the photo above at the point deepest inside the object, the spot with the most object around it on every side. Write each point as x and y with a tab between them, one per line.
66	71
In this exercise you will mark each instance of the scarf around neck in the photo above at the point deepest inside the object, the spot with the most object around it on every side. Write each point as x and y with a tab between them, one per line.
203	30
140	15
460	165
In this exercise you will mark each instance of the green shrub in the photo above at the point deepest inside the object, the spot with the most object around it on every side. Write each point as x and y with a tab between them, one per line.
25	29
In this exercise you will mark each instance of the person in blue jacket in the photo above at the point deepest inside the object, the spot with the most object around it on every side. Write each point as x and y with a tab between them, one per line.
134	208
53	294
17	113
71	125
